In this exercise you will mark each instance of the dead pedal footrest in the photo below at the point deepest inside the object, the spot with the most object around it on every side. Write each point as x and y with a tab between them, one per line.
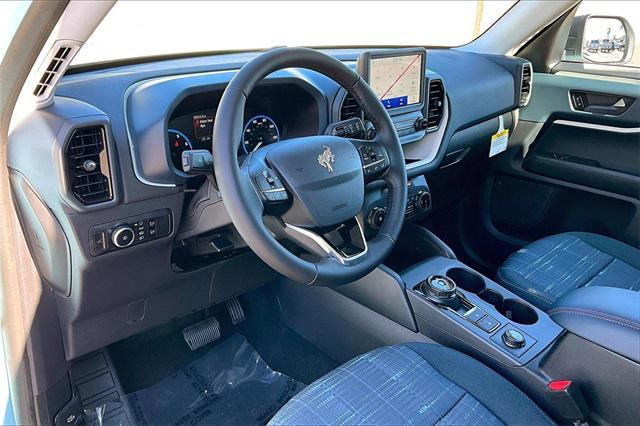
202	333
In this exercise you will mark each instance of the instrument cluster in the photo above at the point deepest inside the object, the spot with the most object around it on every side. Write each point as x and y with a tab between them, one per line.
271	115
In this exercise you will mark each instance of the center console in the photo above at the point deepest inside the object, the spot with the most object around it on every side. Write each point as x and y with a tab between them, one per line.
457	306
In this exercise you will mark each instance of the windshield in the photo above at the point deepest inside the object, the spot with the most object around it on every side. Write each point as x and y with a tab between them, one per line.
149	28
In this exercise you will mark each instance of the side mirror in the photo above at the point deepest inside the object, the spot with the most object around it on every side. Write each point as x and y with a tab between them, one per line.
600	39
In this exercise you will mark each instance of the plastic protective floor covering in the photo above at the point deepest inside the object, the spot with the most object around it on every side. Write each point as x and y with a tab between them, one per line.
230	384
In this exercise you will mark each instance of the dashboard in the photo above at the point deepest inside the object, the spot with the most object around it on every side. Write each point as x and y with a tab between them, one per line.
273	113
158	241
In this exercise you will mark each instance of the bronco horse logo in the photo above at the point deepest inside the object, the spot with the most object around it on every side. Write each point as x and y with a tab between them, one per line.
326	159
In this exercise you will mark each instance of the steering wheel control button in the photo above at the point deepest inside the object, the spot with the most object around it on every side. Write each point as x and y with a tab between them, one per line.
488	324
513	339
374	159
123	236
271	186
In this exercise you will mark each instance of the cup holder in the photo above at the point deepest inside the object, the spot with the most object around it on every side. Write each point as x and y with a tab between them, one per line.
492	297
466	280
518	312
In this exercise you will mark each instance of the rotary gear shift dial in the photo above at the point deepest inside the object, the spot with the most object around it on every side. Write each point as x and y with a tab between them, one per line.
441	290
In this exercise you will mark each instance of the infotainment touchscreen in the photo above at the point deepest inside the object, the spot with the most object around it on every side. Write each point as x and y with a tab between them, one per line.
397	78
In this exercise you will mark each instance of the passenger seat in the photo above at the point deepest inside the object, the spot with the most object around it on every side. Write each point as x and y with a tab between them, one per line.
546	269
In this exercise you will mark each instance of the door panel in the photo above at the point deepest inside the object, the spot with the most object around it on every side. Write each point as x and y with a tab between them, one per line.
601	157
569	167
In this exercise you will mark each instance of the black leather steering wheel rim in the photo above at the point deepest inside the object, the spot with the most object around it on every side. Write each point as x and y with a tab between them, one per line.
239	195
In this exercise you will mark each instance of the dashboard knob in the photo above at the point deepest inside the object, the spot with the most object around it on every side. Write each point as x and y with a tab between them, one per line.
424	201
123	236
513	338
376	216
421	124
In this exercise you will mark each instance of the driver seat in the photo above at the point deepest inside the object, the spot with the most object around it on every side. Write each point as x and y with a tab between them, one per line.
411	383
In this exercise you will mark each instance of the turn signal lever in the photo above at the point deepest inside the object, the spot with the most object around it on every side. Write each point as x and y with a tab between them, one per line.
197	162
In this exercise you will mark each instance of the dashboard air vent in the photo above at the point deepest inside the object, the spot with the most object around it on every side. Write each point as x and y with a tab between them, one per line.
52	69
87	165
51	72
436	104
525	86
350	108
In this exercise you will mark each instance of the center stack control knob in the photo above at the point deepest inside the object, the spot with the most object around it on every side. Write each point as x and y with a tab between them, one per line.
421	124
123	236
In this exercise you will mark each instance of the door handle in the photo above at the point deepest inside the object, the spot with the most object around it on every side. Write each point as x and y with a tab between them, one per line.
599	103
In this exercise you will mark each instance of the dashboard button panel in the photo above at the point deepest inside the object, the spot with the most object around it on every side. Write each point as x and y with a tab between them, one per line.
129	232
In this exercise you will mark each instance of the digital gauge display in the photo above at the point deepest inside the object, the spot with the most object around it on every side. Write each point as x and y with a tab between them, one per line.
203	126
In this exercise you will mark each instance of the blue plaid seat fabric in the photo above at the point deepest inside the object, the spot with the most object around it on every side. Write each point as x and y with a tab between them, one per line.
389	386
546	269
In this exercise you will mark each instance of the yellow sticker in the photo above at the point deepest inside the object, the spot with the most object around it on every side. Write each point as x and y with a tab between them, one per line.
499	142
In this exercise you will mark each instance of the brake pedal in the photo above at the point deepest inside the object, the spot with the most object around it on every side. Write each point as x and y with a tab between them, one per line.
235	310
202	333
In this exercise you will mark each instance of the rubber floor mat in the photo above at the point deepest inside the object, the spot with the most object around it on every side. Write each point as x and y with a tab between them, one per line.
230	384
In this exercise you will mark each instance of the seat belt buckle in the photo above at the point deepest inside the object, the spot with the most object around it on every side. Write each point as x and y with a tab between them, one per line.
567	400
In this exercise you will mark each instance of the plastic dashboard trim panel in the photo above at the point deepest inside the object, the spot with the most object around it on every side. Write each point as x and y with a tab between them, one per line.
187	84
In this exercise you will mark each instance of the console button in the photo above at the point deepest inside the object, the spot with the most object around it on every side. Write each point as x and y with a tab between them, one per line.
513	339
474	314
488	323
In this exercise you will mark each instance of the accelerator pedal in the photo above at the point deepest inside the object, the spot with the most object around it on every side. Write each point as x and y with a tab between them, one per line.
202	333
235	310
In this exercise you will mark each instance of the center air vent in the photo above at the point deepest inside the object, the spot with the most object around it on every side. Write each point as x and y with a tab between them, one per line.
525	86
436	104
350	108
87	165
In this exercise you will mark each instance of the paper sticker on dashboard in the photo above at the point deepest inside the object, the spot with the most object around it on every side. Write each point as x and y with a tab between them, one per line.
499	142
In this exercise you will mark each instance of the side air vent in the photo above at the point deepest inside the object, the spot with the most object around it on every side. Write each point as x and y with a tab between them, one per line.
87	165
350	108
51	72
436	104
525	86
53	67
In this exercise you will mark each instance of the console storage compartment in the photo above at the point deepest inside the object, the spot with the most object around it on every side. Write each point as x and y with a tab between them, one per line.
607	316
600	350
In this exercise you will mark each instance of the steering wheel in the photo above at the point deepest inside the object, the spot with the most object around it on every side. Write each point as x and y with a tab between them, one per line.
309	190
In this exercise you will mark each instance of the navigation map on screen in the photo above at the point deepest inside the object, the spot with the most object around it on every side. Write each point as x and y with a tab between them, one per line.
397	80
